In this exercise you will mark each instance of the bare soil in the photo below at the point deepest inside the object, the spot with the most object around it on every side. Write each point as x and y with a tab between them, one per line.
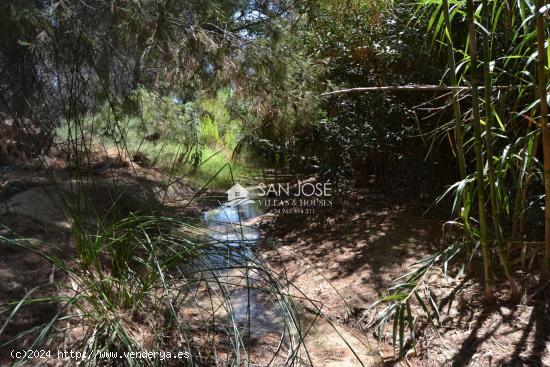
346	258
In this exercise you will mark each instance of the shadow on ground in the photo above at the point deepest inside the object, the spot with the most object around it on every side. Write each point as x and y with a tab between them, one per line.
354	252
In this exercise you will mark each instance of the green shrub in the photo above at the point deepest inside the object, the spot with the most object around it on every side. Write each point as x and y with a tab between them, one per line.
209	132
194	138
217	112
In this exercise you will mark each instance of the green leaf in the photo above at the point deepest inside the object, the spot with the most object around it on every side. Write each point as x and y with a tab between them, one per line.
401	330
410	320
395	325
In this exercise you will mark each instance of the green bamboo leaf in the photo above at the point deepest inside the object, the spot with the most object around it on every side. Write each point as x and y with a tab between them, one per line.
401	330
394	297
435	15
499	120
395	325
424	307
410	320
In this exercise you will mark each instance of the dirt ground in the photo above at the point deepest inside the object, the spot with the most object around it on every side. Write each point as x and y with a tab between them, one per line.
354	252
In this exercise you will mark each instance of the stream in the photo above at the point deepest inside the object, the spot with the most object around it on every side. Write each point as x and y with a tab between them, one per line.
253	313
249	305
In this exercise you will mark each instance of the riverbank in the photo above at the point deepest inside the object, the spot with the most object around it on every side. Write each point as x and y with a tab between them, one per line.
346	258
40	204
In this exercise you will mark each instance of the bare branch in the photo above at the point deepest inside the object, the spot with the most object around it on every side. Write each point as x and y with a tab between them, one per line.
404	88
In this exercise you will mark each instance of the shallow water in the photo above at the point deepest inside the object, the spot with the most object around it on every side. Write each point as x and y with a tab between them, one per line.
232	229
231	224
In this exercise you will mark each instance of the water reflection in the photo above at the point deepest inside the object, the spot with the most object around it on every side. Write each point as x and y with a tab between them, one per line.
233	213
230	225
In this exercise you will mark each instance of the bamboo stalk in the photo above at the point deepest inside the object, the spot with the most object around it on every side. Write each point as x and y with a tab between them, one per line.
518	219
478	150
459	131
541	76
495	212
459	128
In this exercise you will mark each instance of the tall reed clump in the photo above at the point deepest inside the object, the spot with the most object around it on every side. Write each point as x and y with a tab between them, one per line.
498	94
132	287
